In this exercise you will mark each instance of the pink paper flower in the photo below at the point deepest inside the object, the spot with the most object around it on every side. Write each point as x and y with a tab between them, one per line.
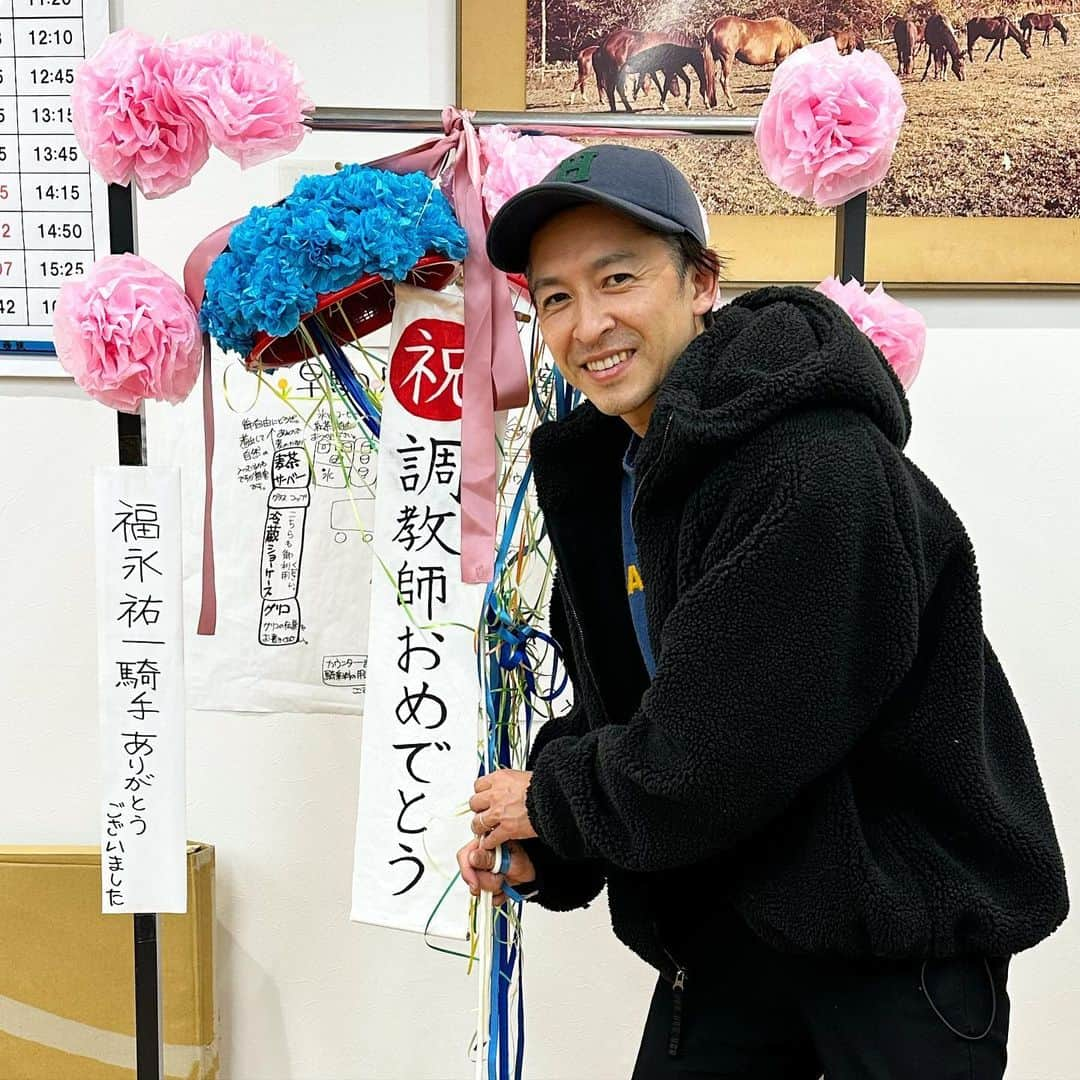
248	94
127	332
515	161
896	329
828	128
131	122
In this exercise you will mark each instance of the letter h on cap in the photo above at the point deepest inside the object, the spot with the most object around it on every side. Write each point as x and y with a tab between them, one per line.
576	167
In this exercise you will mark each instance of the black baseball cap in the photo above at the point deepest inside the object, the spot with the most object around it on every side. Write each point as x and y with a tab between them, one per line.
640	183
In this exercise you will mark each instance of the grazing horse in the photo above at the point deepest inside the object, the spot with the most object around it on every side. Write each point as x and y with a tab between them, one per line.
1035	20
584	70
609	60
940	40
670	33
753	41
847	41
644	77
672	59
997	29
905	34
679	36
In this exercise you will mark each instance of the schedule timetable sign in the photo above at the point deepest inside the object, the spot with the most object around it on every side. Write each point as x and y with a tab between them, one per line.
54	212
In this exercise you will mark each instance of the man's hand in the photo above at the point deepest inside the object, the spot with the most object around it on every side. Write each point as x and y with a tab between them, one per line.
499	803
476	866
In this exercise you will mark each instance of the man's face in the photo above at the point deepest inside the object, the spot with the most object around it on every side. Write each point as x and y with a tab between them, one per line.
613	310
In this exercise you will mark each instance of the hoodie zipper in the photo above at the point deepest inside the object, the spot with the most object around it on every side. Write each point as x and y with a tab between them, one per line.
678	985
648	472
585	655
572	611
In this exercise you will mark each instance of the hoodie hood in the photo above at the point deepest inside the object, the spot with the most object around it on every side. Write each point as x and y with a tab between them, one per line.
774	351
770	352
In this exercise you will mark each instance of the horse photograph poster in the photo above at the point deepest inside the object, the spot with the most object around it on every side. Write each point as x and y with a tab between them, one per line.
984	188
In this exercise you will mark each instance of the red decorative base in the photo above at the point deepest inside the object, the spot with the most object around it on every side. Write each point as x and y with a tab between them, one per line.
351	313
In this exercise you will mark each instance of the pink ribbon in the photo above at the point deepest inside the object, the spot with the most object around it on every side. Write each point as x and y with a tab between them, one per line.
195	271
494	374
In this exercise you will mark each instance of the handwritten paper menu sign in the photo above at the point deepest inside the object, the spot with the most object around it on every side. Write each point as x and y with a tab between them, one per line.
54	212
141	689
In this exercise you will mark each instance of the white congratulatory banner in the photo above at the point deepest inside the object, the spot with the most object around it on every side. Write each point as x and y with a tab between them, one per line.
419	743
141	689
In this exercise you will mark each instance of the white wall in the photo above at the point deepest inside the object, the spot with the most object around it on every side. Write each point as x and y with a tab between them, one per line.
307	995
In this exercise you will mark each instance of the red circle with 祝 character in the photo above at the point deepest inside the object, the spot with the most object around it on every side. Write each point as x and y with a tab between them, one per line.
426	368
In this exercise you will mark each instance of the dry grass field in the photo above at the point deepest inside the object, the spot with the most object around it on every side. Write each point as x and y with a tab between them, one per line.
1003	143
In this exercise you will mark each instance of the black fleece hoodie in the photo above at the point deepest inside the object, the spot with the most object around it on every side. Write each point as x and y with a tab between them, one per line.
829	743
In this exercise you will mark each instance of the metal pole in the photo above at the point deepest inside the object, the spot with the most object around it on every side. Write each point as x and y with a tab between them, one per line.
129	426
149	1063
429	121
850	258
131	447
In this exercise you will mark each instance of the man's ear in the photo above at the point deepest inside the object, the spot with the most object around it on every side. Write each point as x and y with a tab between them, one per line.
704	283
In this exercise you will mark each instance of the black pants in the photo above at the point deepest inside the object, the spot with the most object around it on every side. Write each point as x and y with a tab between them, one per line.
750	1012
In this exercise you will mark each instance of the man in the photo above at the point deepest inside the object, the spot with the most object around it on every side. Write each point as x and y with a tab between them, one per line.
793	757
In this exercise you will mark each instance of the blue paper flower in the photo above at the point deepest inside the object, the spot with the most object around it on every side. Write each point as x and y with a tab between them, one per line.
329	232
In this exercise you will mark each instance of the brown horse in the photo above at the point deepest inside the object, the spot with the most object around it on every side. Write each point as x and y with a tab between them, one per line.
918	42
941	47
753	41
905	33
997	29
1035	20
847	41
672	59
584	70
615	50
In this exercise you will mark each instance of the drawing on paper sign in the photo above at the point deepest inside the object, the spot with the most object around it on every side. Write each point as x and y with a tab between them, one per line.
344	520
290	455
334	459
286	544
348	671
283	546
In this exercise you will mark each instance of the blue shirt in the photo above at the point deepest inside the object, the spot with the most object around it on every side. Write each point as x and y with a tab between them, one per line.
635	586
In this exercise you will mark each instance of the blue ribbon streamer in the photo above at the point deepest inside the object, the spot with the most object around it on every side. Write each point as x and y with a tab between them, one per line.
510	655
354	389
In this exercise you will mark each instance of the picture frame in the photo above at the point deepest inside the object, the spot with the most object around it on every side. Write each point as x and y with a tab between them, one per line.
952	253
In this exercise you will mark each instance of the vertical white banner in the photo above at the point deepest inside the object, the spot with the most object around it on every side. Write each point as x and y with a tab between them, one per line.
141	689
418	748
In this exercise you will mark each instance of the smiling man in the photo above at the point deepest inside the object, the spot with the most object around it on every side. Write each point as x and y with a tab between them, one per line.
793	757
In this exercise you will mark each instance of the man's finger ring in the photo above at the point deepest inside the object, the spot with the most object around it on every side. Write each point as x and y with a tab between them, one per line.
483	823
